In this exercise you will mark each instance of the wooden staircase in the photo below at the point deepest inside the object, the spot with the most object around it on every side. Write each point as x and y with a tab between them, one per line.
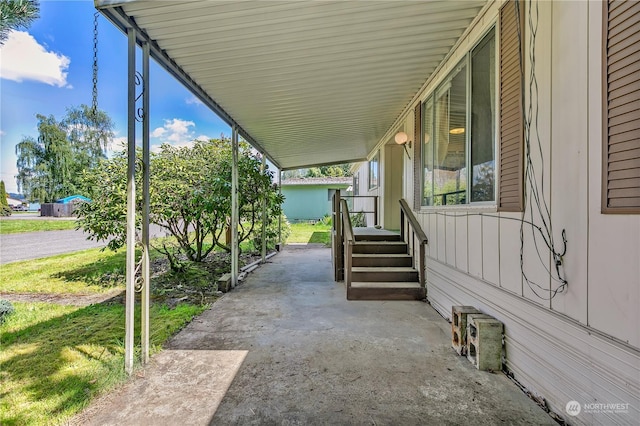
376	264
381	268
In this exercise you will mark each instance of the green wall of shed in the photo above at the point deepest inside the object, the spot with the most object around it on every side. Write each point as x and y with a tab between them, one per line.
306	202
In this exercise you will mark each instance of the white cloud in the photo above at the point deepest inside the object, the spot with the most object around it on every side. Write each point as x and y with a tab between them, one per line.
203	138
193	101
176	132
2	133
158	132
8	175
23	58
118	143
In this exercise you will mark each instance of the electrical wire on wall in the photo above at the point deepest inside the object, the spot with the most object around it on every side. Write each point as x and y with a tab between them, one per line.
534	197
535	208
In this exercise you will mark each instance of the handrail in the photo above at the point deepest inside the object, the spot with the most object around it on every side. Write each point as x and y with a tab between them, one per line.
418	233
375	206
346	222
404	207
347	232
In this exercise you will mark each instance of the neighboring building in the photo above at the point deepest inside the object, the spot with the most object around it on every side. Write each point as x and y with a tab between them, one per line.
64	207
309	199
13	202
73	199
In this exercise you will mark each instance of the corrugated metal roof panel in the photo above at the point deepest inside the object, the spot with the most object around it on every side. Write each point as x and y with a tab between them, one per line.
310	82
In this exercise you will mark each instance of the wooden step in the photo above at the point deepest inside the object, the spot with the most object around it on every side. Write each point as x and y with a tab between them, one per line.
379	237
384	273
385	291
381	259
380	247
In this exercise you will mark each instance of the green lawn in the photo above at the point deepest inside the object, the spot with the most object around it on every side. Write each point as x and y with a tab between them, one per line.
16	226
86	271
56	358
310	233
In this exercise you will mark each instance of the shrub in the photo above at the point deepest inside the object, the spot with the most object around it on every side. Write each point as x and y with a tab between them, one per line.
6	309
358	220
272	233
327	220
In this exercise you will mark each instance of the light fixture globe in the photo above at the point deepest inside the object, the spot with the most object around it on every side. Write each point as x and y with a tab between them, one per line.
401	138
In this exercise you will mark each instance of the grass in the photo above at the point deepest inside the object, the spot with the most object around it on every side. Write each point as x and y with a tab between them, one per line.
310	233
15	226
55	359
87	271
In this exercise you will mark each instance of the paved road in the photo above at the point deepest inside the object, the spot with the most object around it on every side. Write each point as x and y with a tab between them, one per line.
33	245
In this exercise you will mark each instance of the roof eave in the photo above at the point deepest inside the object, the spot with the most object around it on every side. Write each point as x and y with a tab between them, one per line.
111	10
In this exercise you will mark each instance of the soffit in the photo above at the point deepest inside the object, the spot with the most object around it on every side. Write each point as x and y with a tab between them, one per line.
308	82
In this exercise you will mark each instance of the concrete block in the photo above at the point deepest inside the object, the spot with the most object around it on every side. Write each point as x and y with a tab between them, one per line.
484	342
224	283
459	327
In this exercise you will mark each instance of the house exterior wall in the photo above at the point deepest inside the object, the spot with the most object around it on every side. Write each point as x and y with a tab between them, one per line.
365	203
307	202
584	344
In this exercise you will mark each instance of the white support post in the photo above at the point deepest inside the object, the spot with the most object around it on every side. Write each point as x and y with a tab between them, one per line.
280	216
264	214
131	205
146	279
234	207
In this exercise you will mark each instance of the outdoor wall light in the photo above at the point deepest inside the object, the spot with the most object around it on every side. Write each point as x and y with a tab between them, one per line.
402	138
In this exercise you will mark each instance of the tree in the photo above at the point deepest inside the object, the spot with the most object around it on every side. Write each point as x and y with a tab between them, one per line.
50	167
190	197
89	133
15	14
314	172
5	210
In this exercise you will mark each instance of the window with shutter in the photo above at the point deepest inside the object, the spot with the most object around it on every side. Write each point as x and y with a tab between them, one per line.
510	175
621	92
458	132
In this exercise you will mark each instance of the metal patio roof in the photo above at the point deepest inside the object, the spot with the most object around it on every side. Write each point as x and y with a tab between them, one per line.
307	82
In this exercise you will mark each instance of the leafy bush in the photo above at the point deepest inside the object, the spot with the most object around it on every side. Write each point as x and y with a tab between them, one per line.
6	309
327	220
190	197
272	232
358	220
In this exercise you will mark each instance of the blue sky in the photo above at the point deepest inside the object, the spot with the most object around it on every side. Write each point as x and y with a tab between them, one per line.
48	68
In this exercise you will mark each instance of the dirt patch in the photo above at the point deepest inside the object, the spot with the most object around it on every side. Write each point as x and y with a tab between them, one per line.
63	298
197	284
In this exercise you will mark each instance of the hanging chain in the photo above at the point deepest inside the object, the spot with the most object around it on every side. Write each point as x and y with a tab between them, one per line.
94	104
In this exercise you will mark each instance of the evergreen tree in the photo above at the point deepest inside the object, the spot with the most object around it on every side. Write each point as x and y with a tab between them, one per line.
5	210
15	14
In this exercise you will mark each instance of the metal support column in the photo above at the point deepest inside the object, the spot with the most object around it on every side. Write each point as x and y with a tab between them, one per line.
131	204
280	216
264	213
146	281
234	207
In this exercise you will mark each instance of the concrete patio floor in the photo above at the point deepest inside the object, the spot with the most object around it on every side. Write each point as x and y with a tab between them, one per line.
286	347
